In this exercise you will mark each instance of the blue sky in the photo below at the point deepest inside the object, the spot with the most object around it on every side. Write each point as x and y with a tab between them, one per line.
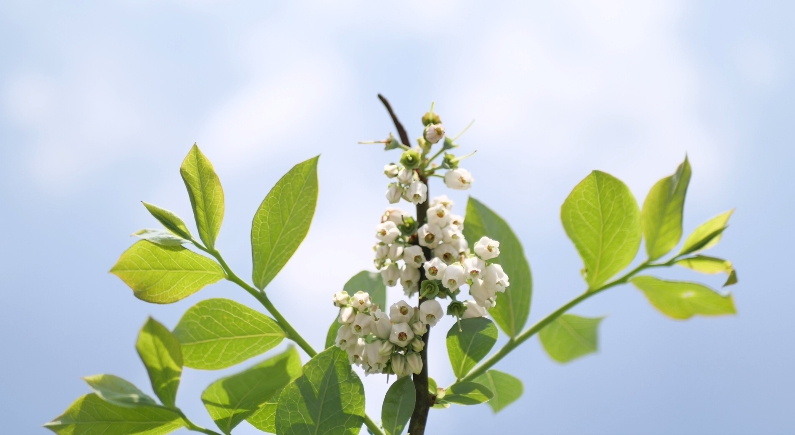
100	101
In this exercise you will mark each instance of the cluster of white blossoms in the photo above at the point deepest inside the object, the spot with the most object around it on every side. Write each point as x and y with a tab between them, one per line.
381	343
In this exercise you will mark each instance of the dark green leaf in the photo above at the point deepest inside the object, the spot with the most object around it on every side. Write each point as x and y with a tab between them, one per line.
118	391
506	388
331	336
206	194
398	406
468	393
663	211
707	234
470	344
161	354
570	337
169	220
90	415
371	283
683	300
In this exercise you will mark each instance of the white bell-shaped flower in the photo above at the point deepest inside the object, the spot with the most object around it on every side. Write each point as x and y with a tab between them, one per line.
474	267
393	193
361	301
387	232
447	252
362	324
454	277
439	216
400	366
443	200
487	248
347	315
431	312
406	176
401	334
495	278
413	256
434	133
473	310
458	221
395	252
381	251
409	276
458	179
484	296
416	192
391	170
419	328
341	299
356	351
395	215
381	326
345	337
390	275
373	355
414	361
435	268
400	312
452	235
430	235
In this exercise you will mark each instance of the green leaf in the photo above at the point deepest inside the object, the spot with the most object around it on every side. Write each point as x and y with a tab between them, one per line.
371	283
90	415
206	194
570	337
328	399
711	266
233	399
219	333
468	393
165	274
331	336
169	220
161	237
602	218
707	234
683	300
282	221
663	210
398	406
470	344
265	418
432	387
161	354
514	307
117	391
506	388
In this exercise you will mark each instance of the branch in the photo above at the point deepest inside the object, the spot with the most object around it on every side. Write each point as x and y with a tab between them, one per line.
404	137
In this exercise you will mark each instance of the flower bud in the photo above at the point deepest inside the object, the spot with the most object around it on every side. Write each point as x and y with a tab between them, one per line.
391	170
341	299
484	296
447	252
419	329
391	143
393	193
416	192
473	310
409	276
409	226
411	159
406	176
458	179
448	144
413	256
400	312
430	289
430	235
435	268
474	267
386	348
431	118
414	361
433	133
454	276
381	251
449	161
487	248
390	275
431	312
387	232
361	324
347	315
395	252
400	366
495	278
456	308
417	344
401	334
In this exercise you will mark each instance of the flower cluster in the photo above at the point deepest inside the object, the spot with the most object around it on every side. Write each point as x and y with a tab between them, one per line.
381	343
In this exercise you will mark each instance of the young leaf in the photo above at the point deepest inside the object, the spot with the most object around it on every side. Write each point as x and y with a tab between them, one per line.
327	399
602	218
710	265
161	237
161	354
398	406
233	399
663	210
470	344
331	336
371	283
282	221
165	274
570	337
117	391
206	194
432	385
506	388
707	234
514	307
171	221
219	333
91	415
468	393
683	300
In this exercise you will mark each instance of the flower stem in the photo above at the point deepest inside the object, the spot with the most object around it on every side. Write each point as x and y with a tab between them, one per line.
190	425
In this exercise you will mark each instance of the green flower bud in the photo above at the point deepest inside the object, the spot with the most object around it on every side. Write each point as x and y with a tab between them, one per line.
456	308
449	162
448	144
391	143
409	226
429	289
427	118
411	159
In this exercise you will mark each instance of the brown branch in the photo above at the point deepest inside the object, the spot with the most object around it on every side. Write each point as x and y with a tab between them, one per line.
404	137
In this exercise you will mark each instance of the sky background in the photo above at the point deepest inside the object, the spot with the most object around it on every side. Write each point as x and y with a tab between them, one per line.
100	101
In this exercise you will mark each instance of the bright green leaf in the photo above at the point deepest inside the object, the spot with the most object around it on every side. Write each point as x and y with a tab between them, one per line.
328	399
602	218
570	337
161	354
707	234
468	393
169	220
432	387
90	415
398	406
683	300
233	399
710	265
219	333
331	336
514	307
663	210
470	344
161	237
371	283
282	221
506	388
265	418
165	274
206	194
118	391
